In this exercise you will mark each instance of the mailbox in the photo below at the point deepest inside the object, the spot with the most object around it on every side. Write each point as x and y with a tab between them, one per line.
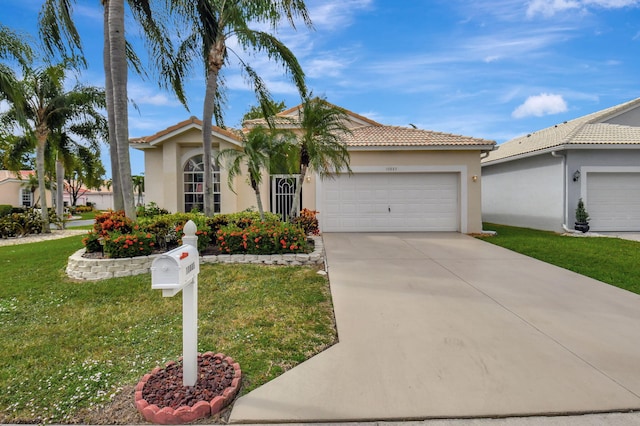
171	271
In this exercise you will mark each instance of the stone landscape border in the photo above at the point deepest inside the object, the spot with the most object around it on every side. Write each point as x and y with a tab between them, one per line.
86	269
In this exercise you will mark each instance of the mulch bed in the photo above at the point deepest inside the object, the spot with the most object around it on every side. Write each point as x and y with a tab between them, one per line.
165	388
162	398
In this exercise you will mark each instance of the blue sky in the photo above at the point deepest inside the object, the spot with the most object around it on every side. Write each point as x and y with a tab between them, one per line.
493	69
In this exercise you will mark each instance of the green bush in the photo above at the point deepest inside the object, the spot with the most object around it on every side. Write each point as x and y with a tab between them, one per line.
83	209
137	243
92	242
5	210
240	219
262	238
150	210
168	229
20	224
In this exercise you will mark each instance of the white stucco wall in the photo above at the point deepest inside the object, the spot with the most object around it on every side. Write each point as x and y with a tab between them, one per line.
526	193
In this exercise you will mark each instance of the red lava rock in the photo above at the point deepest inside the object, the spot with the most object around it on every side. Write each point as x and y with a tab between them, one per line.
161	398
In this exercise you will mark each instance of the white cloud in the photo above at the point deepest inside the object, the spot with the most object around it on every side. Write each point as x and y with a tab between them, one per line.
551	7
332	14
143	95
540	105
324	67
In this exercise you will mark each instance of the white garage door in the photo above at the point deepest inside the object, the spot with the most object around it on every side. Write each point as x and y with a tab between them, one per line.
370	202
613	201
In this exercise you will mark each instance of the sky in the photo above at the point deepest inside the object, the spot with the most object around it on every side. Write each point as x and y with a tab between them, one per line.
493	69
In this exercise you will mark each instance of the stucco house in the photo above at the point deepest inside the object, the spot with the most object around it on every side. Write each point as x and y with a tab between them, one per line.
536	180
14	192
404	179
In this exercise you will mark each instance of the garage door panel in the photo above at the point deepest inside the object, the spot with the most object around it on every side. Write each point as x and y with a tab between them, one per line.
613	201
391	202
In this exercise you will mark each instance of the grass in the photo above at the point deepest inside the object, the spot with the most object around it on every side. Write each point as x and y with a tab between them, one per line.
68	345
611	260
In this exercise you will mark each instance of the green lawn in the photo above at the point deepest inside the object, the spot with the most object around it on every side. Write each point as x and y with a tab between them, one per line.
611	260
67	345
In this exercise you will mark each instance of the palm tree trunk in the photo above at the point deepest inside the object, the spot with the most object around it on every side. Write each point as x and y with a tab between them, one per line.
216	60
118	200
295	208
118	58
59	188
256	189
41	135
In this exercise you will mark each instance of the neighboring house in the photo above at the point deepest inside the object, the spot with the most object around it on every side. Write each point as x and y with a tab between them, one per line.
403	179
536	180
14	192
100	199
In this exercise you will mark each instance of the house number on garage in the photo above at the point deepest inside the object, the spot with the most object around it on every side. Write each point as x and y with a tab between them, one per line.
391	169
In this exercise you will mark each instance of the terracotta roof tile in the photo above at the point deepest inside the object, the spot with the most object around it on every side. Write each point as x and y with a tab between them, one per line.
22	174
588	129
372	136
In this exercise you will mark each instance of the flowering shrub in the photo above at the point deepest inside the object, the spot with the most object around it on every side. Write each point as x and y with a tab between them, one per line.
241	219
308	221
82	209
203	234
262	238
112	221
137	243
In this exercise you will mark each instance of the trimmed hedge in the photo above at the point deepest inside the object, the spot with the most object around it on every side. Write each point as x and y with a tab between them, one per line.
263	238
5	209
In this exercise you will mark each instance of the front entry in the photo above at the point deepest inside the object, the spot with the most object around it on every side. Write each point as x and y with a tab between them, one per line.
283	191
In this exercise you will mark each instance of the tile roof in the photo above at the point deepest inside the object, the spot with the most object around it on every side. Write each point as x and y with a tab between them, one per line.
587	130
370	133
22	174
395	136
186	123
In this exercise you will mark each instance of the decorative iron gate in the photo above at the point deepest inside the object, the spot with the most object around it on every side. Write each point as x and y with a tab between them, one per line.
283	191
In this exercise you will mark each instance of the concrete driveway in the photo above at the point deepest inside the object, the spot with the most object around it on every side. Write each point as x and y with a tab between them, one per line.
441	325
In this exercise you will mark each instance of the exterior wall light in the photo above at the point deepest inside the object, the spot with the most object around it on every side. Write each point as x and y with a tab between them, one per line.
474	178
576	175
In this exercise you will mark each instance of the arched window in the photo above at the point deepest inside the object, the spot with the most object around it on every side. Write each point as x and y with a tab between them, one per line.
194	185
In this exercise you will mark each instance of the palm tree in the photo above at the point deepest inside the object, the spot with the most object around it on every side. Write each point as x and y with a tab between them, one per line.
259	146
47	108
213	23
70	155
59	34
12	47
320	143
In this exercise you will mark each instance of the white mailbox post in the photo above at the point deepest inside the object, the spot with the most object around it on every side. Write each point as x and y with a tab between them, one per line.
178	270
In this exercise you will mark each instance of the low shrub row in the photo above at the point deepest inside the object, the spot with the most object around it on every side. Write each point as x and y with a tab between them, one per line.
5	209
25	222
117	236
80	209
262	238
21	224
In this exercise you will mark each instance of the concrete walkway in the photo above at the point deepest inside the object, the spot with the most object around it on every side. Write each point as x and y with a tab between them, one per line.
446	326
